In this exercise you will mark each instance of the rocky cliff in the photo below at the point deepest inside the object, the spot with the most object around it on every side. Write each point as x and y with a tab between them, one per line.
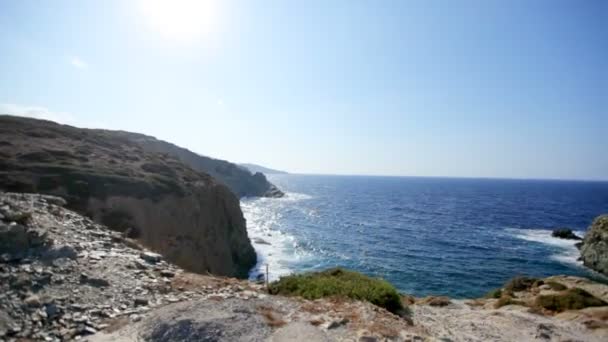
594	248
182	213
241	181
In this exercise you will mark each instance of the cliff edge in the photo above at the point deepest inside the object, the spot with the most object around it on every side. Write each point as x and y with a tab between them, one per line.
594	248
182	213
242	182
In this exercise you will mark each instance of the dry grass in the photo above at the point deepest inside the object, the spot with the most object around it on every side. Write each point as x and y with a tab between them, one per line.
435	301
192	281
271	317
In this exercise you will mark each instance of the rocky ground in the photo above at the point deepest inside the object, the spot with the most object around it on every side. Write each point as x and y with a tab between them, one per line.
64	277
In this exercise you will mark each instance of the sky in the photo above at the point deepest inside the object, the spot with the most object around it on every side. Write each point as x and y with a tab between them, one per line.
515	89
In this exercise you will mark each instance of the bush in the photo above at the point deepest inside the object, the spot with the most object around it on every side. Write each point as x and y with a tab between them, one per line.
497	293
520	284
342	283
572	299
555	286
507	300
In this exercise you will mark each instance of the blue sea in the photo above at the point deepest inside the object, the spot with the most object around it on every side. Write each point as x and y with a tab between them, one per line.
442	236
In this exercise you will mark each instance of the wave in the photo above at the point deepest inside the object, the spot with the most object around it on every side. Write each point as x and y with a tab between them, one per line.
567	251
274	247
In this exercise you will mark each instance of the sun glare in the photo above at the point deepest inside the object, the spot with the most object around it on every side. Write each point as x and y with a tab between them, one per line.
182	20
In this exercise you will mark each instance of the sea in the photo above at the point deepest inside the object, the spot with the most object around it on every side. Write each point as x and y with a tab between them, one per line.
458	237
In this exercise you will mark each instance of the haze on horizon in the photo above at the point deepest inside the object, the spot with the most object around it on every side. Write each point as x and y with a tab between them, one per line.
511	89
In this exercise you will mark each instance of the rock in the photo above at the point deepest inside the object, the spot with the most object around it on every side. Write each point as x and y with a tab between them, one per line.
96	282
56	200
167	273
298	332
140	301
58	252
13	238
336	324
594	250
151	257
87	330
32	301
51	310
565	233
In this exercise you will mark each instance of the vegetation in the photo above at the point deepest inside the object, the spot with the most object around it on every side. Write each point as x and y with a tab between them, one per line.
572	299
521	284
555	286
497	293
341	283
507	300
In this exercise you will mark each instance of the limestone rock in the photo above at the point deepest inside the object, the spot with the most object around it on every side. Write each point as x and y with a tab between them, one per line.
594	250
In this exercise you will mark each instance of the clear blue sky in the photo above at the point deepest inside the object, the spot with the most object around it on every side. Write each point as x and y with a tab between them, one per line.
428	88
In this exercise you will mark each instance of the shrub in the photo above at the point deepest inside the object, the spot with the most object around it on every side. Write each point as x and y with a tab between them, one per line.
507	300
494	293
572	299
342	283
557	286
520	284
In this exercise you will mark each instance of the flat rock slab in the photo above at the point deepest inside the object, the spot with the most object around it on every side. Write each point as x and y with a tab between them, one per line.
298	332
202	320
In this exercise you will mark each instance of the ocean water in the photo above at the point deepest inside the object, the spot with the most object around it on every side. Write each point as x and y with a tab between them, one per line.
441	236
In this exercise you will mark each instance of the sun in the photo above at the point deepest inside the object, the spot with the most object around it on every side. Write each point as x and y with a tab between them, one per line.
182	20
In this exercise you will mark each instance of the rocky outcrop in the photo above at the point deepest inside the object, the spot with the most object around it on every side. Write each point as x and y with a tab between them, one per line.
242	182
66	276
180	212
594	249
565	233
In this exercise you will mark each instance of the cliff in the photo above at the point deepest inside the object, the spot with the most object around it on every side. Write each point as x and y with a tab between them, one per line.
241	181
265	170
594	248
182	213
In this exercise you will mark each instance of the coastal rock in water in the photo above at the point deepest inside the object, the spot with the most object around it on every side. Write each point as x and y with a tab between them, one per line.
565	233
182	213
594	250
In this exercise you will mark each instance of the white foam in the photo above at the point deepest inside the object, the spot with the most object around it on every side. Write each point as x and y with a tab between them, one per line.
274	247
568	253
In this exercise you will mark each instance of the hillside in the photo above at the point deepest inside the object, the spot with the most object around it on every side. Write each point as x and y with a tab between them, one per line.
258	168
242	182
185	214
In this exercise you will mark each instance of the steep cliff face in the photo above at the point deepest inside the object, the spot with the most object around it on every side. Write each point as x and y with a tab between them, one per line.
594	249
184	214
241	181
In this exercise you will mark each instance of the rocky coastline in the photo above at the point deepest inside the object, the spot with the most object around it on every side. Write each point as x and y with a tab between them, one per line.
66	277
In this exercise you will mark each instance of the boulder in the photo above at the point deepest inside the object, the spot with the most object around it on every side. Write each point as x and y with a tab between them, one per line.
13	238
594	250
565	233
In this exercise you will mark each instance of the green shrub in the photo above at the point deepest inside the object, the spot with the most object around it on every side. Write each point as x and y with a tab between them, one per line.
507	300
520	284
572	299
555	286
342	283
494	293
